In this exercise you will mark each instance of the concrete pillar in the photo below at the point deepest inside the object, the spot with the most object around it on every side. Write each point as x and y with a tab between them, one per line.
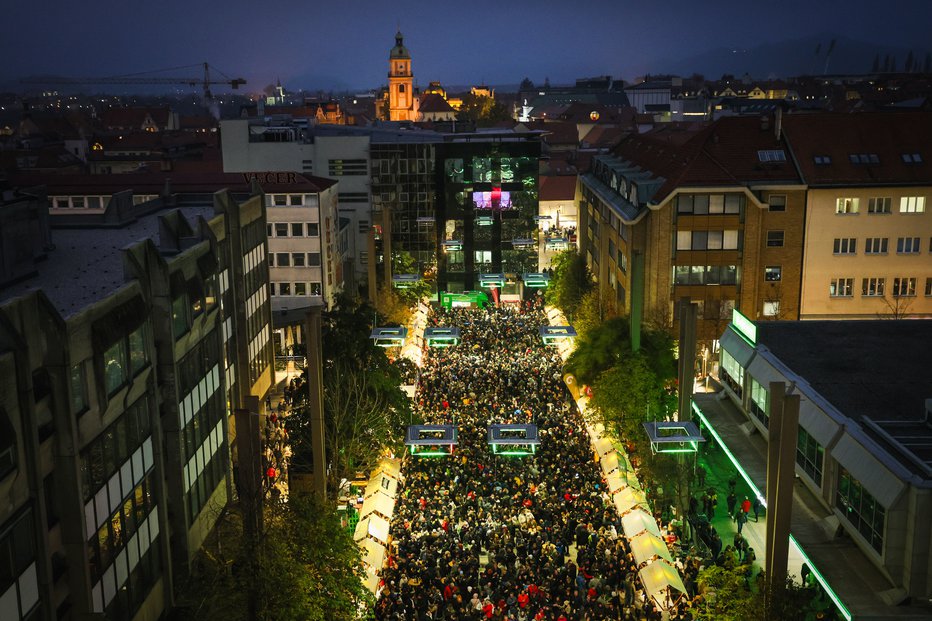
637	299
687	356
781	470
316	400
249	464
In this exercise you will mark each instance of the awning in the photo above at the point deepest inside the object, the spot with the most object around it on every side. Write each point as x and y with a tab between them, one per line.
603	446
737	347
646	546
638	521
382	483
596	431
879	482
378	503
610	463
615	483
372	582
662	583
628	499
391	467
761	371
373	554
817	423
372	526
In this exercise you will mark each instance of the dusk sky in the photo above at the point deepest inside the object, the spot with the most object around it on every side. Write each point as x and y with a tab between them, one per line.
337	44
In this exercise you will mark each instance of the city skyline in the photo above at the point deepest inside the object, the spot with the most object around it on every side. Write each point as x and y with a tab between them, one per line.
330	48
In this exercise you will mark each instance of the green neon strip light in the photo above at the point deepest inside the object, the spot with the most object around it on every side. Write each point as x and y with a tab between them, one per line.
693	449
841	607
734	460
744	326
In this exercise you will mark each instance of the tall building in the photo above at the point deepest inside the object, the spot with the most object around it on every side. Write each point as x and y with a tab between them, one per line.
128	334
402	100
863	486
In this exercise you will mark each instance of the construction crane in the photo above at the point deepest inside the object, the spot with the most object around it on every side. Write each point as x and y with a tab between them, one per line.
145	78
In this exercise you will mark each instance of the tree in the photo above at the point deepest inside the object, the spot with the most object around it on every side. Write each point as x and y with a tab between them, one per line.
570	282
598	305
526	85
897	307
306	566
482	110
391	307
725	596
599	349
404	263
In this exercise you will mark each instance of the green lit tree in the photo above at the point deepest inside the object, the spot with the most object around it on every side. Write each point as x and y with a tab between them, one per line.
484	111
570	282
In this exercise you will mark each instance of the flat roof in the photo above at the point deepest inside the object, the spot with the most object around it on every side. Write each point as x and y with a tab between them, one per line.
87	263
430	435
876	372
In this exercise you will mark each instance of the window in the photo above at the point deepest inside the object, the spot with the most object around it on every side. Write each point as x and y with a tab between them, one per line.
297	229
296	200
771	309
863	158
822	160
860	509
775	239
268	230
928	286
284	288
279	200
78	389
904	287
772	155
912	204
313	259
872	287
777	202
911	158
732	373
363	227
846	205
714	240
300	288
282	259
907	245
845	245
353	197
702	204
315	288
809	454
281	229
875	245
115	369
773	273
339	168
879	204
180	316
138	357
297	259
758	404
313	229
841	287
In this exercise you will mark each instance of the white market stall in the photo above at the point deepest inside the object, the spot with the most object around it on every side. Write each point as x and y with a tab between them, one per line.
638	521
382	483
372	526
646	546
662	583
629	499
379	504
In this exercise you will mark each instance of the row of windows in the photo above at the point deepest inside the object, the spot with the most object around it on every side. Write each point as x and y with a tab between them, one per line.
295	288
123	361
107	453
294	229
809	456
758	404
291	200
19	593
116	531
707	240
79	202
340	168
352	197
876	287
861	509
877	245
294	259
214	472
879	205
702	204
705	274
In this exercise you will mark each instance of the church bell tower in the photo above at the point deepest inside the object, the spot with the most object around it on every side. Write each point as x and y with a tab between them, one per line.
402	104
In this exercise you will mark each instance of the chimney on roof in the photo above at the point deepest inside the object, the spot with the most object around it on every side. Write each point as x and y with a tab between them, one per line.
764	122
778	123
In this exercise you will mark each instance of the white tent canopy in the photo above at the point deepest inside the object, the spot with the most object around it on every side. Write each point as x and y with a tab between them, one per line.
603	446
615	482
638	521
382	483
628	499
378	503
373	554
596	430
609	463
391	467
372	526
662	583
646	546
372	582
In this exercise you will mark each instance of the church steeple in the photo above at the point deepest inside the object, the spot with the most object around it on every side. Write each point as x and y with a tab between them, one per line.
402	104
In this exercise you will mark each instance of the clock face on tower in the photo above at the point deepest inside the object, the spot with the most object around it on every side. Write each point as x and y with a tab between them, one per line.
594	115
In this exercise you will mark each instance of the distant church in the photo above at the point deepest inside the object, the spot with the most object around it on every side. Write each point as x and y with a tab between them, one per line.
402	99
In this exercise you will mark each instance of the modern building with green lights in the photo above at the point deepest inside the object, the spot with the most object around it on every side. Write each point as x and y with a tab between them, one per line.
863	489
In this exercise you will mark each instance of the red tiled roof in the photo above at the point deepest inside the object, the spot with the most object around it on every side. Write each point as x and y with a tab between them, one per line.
558	188
559	132
433	102
888	135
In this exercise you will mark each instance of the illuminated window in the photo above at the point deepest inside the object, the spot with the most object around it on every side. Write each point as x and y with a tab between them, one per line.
822	160
912	204
732	373
758	404
860	509
841	287
873	287
115	368
771	308
138	357
846	205
78	389
773	273
911	158
863	158
904	287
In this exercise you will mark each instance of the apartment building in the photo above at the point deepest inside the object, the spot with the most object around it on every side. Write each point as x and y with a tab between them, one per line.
130	331
863	490
713	214
868	241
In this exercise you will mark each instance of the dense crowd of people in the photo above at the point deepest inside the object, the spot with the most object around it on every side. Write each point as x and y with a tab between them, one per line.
480	536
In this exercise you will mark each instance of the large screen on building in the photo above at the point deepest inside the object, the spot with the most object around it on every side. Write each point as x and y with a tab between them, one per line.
494	200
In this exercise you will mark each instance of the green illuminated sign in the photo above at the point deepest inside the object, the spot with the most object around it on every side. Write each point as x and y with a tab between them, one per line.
744	326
